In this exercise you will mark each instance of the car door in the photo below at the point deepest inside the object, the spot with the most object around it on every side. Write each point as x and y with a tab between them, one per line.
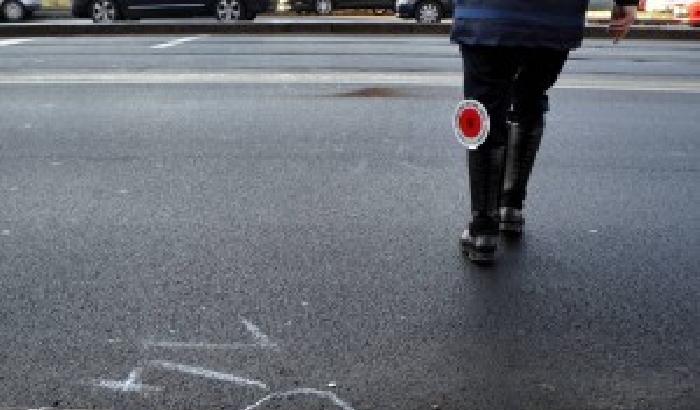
164	8
374	4
348	4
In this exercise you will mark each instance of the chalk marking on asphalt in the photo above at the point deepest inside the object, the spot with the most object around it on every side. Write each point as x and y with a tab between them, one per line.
14	41
131	384
337	401
176	42
133	381
261	338
201	345
208	374
397	78
262	341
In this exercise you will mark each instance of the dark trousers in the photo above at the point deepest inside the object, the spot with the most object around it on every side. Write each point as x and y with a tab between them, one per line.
512	83
501	77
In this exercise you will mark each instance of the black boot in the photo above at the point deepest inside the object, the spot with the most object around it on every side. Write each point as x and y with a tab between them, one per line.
479	241
523	144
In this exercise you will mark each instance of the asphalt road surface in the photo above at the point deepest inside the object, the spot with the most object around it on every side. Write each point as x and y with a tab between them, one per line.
272	222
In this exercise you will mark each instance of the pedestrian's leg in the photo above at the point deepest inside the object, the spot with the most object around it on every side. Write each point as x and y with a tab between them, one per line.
488	76
539	70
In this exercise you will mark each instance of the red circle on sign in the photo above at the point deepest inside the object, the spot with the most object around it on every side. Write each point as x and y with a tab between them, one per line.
470	122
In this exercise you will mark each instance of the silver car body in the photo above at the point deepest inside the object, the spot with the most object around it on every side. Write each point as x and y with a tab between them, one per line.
29	5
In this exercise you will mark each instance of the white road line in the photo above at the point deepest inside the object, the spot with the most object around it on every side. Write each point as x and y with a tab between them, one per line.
398	78
302	391
176	42
14	41
208	374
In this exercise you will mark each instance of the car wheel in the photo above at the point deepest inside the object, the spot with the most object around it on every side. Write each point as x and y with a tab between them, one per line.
324	7
104	11
230	10
428	12
13	10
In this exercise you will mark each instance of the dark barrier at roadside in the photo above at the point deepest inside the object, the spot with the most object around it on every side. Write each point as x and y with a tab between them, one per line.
246	28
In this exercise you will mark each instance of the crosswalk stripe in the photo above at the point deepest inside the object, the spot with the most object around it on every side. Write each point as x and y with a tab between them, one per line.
175	42
396	78
14	41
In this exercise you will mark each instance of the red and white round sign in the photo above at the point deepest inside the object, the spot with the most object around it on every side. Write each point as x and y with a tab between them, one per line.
471	123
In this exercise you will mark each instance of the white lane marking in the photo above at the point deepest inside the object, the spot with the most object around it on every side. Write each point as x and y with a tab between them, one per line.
261	338
337	401
14	41
246	77
131	384
5	232
176	42
208	374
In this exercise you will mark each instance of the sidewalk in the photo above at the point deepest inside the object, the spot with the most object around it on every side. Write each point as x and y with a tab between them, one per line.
643	18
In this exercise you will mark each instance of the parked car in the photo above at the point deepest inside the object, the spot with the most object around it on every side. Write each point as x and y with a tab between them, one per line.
694	14
327	6
424	11
16	10
110	10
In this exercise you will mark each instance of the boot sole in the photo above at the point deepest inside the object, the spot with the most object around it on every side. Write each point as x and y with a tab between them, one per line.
479	256
511	228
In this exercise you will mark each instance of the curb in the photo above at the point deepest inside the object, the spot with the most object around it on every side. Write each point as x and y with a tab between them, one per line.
247	28
648	32
643	22
241	28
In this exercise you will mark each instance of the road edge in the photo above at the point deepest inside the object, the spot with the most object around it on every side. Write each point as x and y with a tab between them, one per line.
251	28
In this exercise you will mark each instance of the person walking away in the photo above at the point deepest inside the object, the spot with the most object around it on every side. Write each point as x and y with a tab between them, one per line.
513	53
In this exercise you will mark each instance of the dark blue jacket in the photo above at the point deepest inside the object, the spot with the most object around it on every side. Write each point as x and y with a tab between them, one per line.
529	23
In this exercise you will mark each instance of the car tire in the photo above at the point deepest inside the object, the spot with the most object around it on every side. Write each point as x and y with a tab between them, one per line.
324	7
428	11
13	10
104	11
230	10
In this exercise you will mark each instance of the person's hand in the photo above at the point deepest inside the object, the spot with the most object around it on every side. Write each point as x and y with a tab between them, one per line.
621	21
